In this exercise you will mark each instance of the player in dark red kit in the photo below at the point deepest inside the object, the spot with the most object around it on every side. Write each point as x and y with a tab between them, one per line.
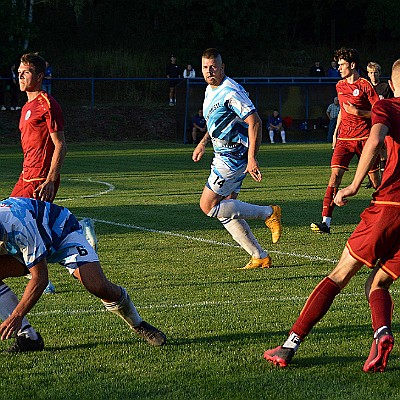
42	137
375	243
356	96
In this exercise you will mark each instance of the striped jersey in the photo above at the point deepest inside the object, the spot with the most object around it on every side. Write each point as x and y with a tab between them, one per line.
225	108
35	229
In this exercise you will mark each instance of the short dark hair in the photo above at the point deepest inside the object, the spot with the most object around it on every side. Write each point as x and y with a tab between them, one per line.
211	54
349	55
34	59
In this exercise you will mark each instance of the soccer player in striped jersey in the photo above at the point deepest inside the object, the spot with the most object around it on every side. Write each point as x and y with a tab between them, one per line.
374	243
33	233
356	96
234	128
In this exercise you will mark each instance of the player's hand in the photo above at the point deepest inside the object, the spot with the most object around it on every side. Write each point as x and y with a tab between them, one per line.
45	192
341	196
350	108
10	326
198	152
254	170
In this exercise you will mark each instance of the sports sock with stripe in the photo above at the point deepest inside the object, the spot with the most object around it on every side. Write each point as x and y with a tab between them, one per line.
8	302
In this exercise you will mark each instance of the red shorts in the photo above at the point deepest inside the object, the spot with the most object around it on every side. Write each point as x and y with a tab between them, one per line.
345	150
377	237
26	189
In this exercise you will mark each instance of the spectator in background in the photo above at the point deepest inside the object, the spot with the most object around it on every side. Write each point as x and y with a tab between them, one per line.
275	124
317	69
199	125
173	73
333	71
14	89
189	72
332	112
48	75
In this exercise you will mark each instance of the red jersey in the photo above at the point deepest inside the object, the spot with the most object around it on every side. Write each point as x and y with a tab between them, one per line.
387	112
363	96
39	119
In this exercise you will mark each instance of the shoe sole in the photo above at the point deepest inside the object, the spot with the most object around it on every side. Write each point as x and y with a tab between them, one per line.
315	229
379	363
275	359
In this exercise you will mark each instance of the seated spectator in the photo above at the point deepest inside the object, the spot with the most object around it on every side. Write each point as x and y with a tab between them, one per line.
199	126
333	71
189	72
317	69
275	124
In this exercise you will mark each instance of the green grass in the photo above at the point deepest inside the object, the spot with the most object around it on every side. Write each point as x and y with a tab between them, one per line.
179	267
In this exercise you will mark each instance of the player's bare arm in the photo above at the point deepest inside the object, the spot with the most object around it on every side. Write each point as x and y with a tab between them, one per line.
254	122
201	147
32	293
368	156
46	191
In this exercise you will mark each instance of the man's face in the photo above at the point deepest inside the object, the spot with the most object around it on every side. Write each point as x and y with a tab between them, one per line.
213	71
373	75
345	68
29	80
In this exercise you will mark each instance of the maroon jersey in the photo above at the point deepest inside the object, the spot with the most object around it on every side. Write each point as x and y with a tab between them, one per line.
39	119
387	112
363	96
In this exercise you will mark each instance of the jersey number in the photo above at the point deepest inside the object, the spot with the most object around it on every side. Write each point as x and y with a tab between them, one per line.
218	181
82	251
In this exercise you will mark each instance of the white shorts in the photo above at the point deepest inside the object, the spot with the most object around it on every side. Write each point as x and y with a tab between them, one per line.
224	180
74	252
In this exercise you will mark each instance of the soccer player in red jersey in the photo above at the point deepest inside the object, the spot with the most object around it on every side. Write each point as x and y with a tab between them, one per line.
374	243
356	96
42	137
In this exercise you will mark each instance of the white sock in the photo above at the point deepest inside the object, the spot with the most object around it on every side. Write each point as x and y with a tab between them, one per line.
8	302
327	220
271	136
236	209
292	342
283	136
242	234
125	309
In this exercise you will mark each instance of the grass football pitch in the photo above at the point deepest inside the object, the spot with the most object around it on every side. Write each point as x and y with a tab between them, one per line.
180	269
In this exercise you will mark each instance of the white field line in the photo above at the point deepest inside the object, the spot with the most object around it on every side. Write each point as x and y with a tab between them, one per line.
199	239
200	304
109	186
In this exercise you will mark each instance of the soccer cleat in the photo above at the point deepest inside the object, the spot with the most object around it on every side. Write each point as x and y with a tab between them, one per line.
280	356
23	344
320	227
153	336
274	223
89	232
379	353
258	263
50	289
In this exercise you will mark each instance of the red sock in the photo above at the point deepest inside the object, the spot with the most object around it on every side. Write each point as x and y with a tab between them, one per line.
328	205
381	305
316	307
